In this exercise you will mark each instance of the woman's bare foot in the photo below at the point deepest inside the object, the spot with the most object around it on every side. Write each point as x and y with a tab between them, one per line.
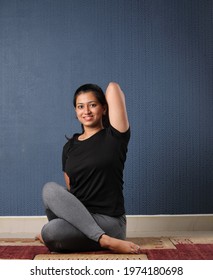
119	246
39	237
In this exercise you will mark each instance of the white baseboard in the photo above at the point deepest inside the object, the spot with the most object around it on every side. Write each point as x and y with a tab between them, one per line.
137	225
167	225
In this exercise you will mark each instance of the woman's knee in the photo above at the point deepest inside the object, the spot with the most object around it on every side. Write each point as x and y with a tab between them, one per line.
48	187
49	190
49	236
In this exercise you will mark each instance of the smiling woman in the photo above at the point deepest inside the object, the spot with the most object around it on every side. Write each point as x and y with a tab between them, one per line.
91	97
91	210
89	112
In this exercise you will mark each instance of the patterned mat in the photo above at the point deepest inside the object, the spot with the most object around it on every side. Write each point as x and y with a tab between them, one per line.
152	248
33	249
192	240
153	242
183	252
19	242
21	252
84	256
144	242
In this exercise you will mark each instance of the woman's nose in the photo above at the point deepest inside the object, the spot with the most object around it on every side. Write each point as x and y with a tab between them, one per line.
87	109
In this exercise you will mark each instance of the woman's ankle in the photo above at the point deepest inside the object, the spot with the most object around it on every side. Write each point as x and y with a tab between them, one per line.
104	241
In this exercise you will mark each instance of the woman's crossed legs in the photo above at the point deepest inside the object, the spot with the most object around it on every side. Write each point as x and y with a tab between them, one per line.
72	227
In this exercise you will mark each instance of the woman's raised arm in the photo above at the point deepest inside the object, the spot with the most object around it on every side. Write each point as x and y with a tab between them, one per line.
117	107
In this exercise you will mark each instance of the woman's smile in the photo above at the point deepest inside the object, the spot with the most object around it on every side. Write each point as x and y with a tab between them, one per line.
88	118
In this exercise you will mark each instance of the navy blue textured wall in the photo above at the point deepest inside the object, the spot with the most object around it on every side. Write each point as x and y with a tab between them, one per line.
161	54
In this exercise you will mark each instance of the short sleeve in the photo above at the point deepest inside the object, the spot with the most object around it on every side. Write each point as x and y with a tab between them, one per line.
65	153
124	136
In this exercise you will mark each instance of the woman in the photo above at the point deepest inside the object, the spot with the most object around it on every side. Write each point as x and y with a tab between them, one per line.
89	214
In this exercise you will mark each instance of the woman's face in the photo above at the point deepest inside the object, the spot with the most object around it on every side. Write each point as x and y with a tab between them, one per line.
89	110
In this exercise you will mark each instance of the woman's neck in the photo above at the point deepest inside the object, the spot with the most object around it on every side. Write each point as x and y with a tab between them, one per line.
88	132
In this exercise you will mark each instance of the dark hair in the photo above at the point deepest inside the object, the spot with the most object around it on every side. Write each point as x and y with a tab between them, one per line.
99	94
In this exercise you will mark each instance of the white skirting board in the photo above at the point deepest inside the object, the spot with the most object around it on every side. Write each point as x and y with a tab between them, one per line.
137	225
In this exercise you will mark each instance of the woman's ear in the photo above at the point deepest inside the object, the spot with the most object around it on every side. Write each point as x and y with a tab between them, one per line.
104	110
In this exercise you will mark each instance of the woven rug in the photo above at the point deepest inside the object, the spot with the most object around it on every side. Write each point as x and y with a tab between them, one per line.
153	242
19	242
85	256
192	240
21	252
173	248
183	252
144	242
33	249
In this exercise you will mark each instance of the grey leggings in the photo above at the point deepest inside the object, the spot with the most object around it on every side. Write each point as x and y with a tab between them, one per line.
71	227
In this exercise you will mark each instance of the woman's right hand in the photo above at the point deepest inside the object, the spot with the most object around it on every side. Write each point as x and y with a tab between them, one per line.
67	180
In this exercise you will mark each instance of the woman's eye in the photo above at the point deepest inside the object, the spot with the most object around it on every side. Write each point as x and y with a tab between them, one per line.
93	105
80	106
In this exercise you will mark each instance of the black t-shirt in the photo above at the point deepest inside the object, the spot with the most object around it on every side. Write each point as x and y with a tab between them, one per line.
95	168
